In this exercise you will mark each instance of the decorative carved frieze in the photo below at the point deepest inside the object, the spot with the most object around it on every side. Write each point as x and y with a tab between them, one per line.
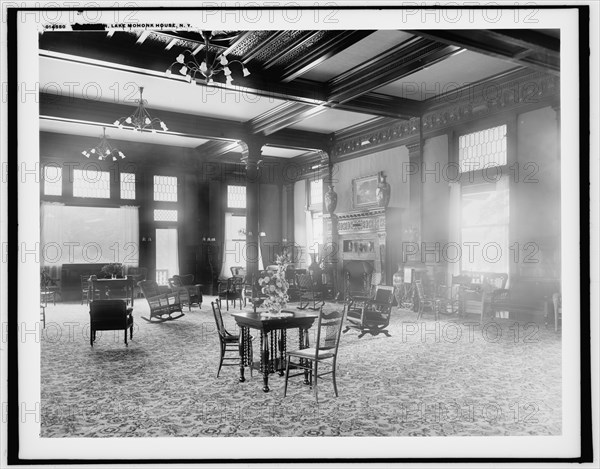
519	89
360	222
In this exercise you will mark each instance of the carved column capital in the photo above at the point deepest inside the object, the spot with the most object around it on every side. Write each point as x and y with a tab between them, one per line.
415	150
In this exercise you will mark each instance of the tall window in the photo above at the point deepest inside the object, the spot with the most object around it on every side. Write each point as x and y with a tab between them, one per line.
236	196
91	183
484	228
316	192
165	188
167	260
483	149
484	205
52	180
314	222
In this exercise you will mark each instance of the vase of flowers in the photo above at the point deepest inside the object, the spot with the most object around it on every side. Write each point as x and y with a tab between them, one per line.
275	287
112	269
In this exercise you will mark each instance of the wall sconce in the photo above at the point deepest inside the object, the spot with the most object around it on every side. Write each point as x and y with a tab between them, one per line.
262	234
144	239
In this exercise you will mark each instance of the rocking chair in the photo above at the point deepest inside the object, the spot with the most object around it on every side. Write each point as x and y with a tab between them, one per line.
308	293
162	305
371	315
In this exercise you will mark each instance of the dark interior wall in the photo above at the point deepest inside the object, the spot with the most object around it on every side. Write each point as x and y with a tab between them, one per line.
537	187
389	161
145	160
270	221
435	190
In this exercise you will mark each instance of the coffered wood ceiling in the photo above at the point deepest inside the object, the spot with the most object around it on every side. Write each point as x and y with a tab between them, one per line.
305	87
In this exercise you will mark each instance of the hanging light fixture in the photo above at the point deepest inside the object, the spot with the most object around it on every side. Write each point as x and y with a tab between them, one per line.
190	67
103	150
140	119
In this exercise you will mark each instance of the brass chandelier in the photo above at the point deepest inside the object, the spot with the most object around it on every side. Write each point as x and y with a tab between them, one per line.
141	118
103	150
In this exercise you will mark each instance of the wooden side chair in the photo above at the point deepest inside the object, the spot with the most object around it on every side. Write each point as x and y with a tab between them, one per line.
49	288
323	353
426	302
110	315
163	305
228	342
230	290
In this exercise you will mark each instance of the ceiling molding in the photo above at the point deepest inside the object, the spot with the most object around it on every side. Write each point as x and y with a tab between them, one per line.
519	91
283	116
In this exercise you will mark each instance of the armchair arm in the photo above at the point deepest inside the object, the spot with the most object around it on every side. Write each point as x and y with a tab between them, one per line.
499	295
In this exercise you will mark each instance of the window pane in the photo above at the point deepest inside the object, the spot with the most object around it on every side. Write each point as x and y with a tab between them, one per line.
485	249
165	188
91	183
485	208
167	259
483	149
127	185
236	196
52	180
316	192
165	215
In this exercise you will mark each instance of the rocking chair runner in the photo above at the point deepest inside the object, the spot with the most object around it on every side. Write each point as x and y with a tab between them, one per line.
371	315
162	305
308	293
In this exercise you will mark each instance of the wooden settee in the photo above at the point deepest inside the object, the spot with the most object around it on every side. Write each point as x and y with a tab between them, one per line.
526	299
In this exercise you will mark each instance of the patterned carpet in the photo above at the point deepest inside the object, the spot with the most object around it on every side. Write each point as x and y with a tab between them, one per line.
456	377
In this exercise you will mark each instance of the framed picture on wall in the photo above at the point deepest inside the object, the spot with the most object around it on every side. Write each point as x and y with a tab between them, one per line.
364	191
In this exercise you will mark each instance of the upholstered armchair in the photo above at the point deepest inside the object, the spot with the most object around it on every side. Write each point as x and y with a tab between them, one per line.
110	315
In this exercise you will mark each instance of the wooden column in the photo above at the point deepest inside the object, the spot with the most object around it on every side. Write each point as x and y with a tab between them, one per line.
252	148
415	158
288	213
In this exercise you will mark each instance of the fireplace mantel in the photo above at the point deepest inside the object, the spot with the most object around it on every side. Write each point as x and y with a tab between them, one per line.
368	235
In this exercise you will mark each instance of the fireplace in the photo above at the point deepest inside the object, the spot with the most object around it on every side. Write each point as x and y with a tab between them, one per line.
371	236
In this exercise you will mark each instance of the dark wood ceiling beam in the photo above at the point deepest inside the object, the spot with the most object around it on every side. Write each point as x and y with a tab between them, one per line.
322	52
283	116
492	45
289	47
383	105
99	111
293	138
214	150
528	38
391	65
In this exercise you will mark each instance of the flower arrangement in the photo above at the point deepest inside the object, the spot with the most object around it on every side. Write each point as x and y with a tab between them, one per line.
113	269
275	286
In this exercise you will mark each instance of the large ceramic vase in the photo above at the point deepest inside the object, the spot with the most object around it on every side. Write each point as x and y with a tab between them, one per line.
383	192
330	200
